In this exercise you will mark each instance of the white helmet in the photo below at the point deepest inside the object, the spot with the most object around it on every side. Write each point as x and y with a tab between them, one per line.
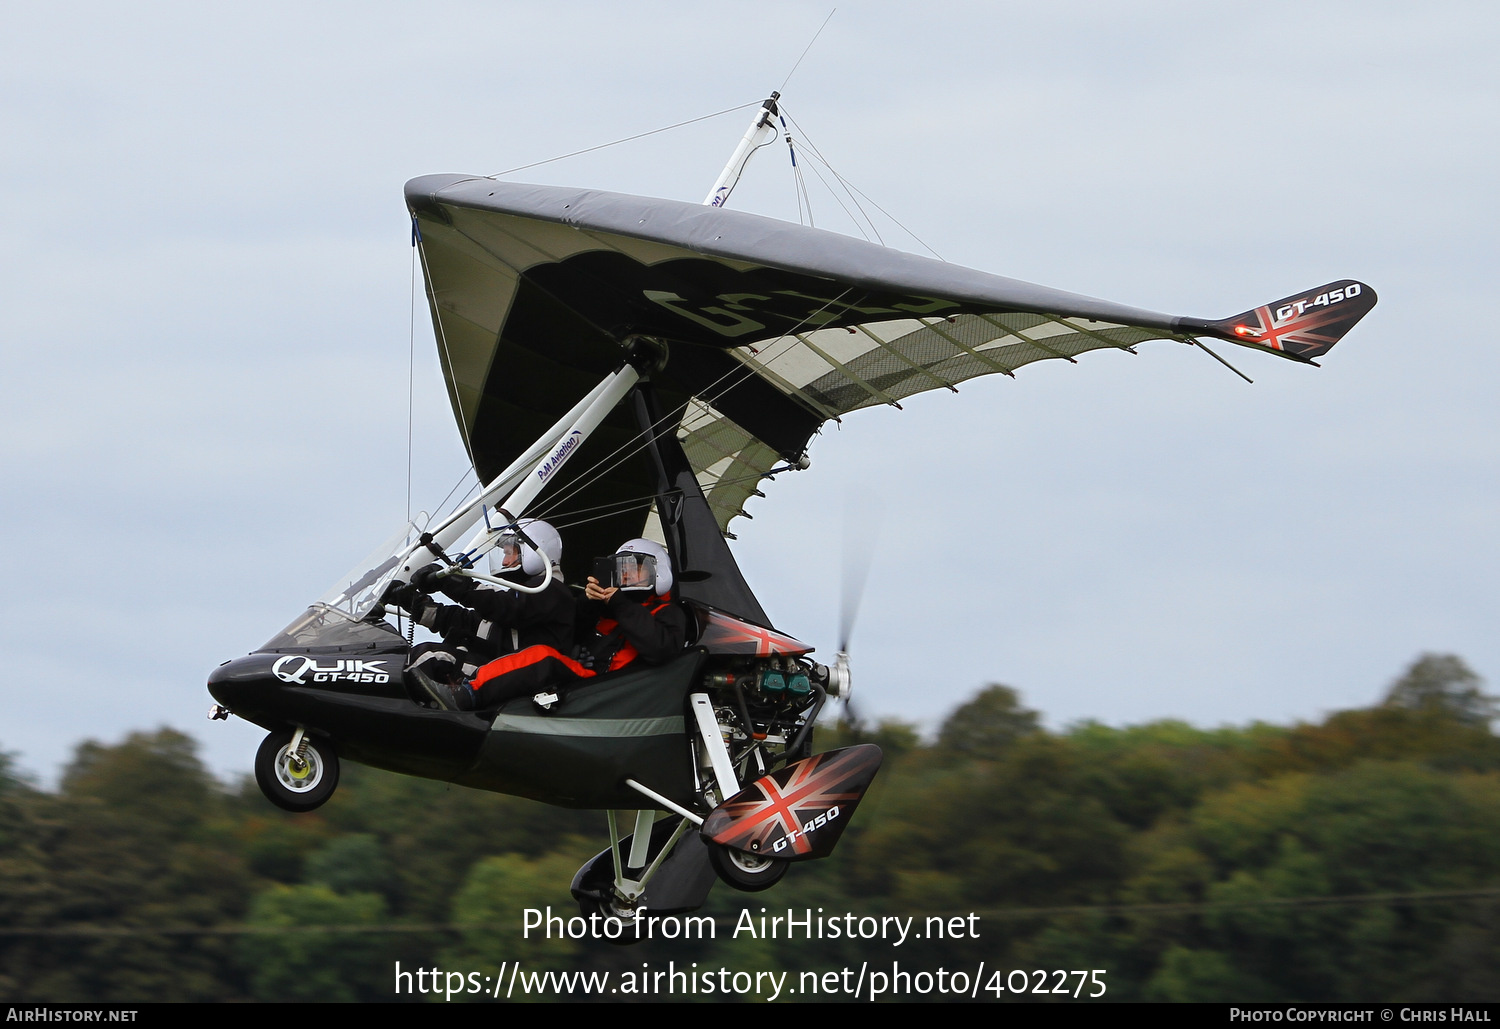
650	563
512	555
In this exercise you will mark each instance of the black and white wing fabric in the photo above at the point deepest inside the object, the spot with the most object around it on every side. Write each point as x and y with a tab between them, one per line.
772	329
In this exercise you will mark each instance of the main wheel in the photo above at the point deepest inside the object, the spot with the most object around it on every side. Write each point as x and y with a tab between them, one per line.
746	872
291	784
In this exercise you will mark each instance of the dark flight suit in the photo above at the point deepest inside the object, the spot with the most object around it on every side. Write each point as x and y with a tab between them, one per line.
653	630
491	623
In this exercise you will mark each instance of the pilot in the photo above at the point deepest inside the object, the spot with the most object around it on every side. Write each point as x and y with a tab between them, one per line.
638	621
491	621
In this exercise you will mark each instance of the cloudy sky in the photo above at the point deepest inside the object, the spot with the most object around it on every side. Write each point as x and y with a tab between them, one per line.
207	322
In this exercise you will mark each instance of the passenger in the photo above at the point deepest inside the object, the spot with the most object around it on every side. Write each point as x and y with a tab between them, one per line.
638	621
492	622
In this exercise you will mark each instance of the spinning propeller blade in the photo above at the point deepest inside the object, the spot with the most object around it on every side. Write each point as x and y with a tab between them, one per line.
861	537
862	525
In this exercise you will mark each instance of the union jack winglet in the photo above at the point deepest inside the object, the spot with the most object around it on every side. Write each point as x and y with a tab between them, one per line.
799	812
1302	327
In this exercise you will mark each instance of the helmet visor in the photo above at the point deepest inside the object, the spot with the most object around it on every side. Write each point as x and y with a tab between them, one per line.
635	571
506	557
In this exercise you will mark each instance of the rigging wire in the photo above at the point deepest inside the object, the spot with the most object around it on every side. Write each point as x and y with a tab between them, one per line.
892	217
797	189
618	507
438	515
615	507
641	440
574	523
632	447
834	193
805	49
852	189
610	505
627	139
806	197
799	184
840	179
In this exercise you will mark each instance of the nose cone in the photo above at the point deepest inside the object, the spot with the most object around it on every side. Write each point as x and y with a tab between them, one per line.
245	684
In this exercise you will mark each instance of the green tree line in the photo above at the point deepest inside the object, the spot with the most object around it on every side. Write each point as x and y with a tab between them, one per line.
1356	858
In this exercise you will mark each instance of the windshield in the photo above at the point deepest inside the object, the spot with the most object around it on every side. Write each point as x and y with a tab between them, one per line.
321	626
339	617
355	593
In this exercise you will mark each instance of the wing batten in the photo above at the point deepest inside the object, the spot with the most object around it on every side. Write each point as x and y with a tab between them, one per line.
730	462
921	369
876	394
990	320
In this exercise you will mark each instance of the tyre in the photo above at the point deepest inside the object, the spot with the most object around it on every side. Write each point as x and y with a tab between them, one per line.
745	872
292	788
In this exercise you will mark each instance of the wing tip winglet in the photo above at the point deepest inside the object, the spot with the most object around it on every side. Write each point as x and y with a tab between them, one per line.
1301	327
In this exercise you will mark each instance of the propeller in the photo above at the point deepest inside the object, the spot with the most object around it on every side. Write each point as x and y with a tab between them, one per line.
861	537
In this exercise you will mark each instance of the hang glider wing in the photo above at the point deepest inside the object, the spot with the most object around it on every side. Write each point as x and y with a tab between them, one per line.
772	328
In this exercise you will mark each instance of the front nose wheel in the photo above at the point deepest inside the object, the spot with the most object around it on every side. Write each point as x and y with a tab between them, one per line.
299	779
